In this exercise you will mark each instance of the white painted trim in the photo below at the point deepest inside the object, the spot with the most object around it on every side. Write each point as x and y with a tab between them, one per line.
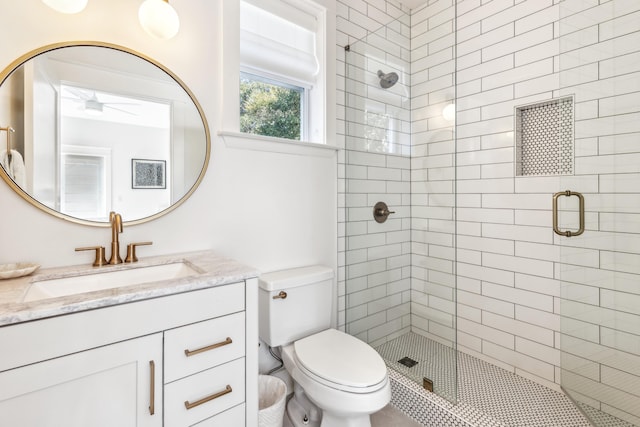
247	141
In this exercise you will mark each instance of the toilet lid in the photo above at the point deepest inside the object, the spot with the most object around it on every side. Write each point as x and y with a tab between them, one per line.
340	359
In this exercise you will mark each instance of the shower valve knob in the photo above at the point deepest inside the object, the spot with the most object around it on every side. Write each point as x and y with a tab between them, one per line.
381	212
384	212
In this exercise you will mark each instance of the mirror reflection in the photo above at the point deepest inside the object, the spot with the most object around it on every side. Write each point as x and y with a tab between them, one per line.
95	128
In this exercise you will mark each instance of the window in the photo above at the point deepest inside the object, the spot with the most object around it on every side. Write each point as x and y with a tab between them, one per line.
281	92
272	108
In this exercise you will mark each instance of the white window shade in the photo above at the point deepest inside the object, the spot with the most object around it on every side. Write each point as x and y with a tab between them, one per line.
271	42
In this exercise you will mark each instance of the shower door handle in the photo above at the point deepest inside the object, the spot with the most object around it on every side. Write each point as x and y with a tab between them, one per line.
568	233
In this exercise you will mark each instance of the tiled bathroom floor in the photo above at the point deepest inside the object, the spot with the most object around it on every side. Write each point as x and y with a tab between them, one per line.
435	361
389	416
488	395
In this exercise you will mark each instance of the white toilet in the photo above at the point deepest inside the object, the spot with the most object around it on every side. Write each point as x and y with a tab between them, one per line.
339	380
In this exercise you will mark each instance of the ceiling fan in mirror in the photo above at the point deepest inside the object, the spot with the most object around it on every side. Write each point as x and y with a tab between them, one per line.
93	103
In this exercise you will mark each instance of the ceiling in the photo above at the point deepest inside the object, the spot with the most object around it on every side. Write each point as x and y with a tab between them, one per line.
412	4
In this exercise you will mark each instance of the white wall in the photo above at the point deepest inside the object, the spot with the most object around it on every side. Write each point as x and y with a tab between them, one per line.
124	142
269	210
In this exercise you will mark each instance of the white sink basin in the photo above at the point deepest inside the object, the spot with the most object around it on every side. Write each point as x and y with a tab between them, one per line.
106	280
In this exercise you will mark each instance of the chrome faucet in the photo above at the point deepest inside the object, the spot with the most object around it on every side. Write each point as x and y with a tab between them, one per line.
116	227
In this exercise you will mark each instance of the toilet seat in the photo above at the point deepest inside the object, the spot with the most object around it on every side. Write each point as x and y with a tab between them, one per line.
341	361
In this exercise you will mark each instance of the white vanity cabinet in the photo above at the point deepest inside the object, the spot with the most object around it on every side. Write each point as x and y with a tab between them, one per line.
106	386
179	360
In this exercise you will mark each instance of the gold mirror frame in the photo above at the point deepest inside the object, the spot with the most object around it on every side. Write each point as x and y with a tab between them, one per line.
33	201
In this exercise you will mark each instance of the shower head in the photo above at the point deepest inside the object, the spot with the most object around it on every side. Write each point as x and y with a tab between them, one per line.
387	80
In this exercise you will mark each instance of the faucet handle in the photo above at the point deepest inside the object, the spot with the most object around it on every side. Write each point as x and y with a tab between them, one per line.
100	258
131	251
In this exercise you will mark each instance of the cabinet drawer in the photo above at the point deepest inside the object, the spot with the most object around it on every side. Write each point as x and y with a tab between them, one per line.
197	388
32	342
199	346
233	417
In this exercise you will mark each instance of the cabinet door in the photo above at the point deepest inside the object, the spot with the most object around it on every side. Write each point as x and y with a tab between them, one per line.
114	385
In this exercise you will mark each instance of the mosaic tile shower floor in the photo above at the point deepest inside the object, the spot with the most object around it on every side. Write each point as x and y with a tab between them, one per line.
489	396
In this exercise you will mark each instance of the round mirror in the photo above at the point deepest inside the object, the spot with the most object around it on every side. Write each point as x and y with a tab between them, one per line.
89	128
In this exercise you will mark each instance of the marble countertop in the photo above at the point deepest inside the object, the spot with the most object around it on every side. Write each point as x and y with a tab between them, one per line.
214	270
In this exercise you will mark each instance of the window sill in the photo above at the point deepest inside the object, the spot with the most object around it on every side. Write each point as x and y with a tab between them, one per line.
247	141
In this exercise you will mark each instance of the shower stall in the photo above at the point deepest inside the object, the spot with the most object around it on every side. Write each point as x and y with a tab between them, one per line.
504	137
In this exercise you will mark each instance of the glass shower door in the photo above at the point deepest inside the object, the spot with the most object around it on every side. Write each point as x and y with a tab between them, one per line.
599	270
399	291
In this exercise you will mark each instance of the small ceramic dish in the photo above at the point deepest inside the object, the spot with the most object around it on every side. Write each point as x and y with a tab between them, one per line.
10	271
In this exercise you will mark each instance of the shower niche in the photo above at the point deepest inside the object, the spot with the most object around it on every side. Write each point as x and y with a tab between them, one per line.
544	138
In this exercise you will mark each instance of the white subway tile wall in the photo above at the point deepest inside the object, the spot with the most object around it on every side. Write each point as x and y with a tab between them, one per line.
514	276
375	257
599	305
462	213
433	311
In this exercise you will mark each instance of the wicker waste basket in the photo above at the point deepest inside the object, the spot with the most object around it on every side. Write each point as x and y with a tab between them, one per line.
272	395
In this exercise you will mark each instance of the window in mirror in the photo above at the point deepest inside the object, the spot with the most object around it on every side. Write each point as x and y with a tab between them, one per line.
85	192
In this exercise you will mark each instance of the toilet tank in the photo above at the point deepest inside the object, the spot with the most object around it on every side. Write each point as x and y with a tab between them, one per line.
294	303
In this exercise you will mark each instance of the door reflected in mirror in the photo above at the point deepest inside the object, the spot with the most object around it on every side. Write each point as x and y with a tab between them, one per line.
83	115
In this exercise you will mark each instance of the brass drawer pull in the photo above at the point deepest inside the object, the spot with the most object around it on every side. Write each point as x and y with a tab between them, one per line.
209	347
152	384
190	405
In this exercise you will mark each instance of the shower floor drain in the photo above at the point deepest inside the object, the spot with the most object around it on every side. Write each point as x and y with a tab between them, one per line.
408	362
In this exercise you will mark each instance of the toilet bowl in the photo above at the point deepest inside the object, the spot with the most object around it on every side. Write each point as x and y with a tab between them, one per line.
339	380
342	375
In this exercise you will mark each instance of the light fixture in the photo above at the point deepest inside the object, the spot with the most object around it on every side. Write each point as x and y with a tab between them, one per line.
66	6
159	18
449	112
93	107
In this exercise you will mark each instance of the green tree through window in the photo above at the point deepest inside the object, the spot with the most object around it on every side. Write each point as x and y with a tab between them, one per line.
270	109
